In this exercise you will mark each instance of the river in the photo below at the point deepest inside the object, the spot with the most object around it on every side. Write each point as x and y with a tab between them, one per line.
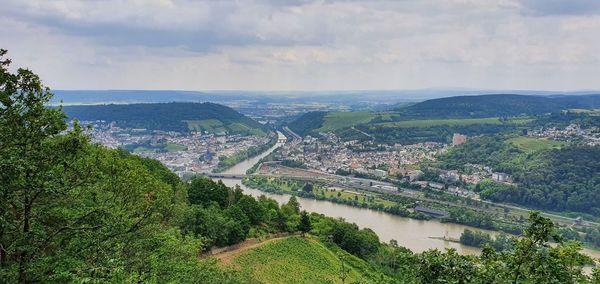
241	167
417	235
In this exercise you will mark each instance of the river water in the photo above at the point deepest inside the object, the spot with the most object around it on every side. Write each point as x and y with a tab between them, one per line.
242	167
417	235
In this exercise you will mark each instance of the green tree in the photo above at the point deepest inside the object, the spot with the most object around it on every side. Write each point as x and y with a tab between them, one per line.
204	191
252	209
305	224
37	166
293	203
308	187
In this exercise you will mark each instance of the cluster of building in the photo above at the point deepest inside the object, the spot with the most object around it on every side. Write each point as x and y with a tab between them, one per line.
571	133
183	153
475	173
330	154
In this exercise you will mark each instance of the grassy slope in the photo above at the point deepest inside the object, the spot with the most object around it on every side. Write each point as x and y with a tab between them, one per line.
218	127
172	147
337	120
298	260
435	122
529	144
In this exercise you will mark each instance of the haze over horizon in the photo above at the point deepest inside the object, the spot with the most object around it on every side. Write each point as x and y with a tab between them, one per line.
306	45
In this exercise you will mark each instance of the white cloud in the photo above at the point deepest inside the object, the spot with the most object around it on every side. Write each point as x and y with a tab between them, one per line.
179	44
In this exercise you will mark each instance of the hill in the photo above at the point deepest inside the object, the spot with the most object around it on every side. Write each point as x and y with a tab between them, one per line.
298	260
548	174
436	119
181	117
503	105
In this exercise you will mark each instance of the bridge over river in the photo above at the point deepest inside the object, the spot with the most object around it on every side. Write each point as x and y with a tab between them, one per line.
230	176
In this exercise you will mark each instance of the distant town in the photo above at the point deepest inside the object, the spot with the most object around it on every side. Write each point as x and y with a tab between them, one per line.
183	153
199	153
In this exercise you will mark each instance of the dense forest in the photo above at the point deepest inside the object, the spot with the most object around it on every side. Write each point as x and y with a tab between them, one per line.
308	122
497	105
168	116
565	179
75	212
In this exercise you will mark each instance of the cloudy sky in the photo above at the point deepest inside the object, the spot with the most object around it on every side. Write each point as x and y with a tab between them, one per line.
306	45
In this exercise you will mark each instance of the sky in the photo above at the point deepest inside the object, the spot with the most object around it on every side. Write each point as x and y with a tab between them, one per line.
306	45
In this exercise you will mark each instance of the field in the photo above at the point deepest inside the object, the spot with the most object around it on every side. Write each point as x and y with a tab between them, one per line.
436	122
217	127
338	120
172	147
291	187
592	112
299	260
530	144
208	125
142	149
242	128
169	147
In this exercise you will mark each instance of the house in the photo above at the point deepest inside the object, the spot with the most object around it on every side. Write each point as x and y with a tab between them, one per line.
450	176
423	184
377	172
500	177
437	186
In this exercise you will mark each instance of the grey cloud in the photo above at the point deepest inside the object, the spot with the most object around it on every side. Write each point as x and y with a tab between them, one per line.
283	44
229	24
561	7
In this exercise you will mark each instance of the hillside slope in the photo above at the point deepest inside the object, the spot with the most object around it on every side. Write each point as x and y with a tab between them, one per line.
483	106
436	119
501	105
182	117
299	260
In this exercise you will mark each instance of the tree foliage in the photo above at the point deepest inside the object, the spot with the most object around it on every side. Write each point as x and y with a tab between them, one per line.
565	179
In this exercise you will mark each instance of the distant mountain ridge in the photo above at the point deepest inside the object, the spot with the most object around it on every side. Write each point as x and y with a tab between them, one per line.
87	97
182	117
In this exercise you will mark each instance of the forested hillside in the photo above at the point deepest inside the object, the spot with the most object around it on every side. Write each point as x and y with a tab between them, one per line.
563	178
483	106
308	122
498	105
437	119
182	117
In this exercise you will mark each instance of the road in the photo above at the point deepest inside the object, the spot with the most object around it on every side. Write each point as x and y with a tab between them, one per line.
296	136
362	132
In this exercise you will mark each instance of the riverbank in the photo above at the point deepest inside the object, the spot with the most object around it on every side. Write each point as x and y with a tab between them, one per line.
233	160
396	204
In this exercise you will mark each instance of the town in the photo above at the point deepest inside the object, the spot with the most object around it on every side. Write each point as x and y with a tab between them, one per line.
183	153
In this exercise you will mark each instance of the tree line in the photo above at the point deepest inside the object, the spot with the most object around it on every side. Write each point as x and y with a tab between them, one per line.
565	179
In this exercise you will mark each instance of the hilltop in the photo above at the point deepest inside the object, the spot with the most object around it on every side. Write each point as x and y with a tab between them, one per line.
182	117
301	260
502	105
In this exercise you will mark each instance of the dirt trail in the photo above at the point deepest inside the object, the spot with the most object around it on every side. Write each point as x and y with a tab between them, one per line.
226	257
